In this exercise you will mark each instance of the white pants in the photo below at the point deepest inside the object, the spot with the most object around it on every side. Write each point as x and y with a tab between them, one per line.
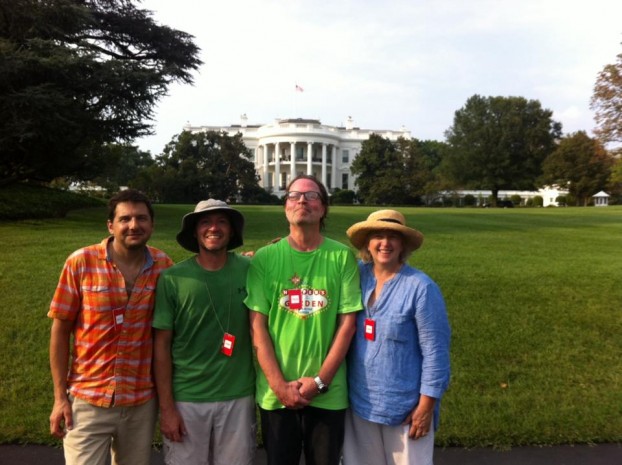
218	433
368	443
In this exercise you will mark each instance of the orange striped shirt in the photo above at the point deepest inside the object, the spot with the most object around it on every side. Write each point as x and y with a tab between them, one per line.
111	361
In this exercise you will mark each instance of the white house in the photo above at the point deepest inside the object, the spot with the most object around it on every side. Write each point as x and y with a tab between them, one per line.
288	147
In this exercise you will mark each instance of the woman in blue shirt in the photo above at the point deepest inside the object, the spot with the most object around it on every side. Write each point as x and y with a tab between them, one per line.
398	364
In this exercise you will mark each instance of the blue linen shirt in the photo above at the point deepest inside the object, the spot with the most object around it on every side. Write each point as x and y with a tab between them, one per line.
410	353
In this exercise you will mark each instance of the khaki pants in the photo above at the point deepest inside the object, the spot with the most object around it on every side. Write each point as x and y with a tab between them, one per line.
124	433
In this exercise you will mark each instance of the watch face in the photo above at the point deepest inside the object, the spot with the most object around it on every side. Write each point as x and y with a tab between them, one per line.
321	387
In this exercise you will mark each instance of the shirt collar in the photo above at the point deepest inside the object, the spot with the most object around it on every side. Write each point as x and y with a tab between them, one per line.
104	254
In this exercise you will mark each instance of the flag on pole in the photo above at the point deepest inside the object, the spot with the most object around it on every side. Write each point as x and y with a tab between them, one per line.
299	89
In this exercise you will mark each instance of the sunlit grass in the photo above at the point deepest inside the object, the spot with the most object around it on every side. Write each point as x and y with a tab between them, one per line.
533	296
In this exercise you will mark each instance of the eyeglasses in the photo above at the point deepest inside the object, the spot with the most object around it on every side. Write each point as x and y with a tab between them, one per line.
295	196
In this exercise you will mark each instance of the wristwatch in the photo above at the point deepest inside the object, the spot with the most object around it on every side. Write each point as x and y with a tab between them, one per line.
321	387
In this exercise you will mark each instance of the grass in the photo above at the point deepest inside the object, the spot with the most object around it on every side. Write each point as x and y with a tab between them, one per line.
533	297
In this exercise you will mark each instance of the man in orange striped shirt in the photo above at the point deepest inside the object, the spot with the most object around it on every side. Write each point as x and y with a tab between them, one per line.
104	400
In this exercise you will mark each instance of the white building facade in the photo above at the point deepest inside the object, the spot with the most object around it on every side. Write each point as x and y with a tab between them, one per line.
287	148
549	194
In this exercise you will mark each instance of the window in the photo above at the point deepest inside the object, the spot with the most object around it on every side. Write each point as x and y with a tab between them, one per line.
345	156
344	181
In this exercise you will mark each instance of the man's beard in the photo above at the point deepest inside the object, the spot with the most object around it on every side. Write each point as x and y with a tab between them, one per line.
213	250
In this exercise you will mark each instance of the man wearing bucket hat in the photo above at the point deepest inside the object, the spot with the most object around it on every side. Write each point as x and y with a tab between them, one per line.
203	358
398	364
303	292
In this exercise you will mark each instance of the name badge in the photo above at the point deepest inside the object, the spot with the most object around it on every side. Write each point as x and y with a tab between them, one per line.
295	299
117	316
370	329
228	342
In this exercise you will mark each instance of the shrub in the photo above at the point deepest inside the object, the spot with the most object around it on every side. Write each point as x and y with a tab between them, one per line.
469	200
342	197
536	201
516	199
22	201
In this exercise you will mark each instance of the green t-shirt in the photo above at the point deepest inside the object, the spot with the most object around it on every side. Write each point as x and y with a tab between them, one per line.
326	282
199	306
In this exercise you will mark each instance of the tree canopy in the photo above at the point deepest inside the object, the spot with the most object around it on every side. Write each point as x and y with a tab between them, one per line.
399	172
499	143
379	168
77	74
124	163
607	102
579	163
615	181
197	166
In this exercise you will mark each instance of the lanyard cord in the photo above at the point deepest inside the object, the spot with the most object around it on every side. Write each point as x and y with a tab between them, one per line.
209	295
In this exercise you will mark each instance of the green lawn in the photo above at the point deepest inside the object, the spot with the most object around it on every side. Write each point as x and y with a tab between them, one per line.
533	295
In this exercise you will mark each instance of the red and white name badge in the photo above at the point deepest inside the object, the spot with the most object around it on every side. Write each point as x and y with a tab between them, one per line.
295	299
117	316
228	342
370	329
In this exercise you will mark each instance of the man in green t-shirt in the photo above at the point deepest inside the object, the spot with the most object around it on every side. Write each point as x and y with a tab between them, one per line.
203	362
302	292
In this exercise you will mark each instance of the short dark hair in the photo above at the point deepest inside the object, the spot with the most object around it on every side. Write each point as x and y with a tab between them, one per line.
128	195
321	189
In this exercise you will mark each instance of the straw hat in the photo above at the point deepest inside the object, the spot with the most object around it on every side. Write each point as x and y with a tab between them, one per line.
187	238
384	220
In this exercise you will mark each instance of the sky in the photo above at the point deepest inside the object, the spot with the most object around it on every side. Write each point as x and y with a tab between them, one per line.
385	63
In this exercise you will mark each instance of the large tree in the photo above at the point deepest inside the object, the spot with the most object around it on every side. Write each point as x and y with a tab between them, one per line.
432	153
379	168
615	181
123	164
197	166
77	74
607	102
580	163
397	172
499	143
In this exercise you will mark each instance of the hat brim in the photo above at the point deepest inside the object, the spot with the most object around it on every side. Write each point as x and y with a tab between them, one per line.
359	232
188	240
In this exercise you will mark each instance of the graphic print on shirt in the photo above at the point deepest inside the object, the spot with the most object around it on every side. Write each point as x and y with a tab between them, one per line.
304	302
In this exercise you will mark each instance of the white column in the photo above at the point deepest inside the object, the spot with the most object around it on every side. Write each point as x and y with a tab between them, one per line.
292	161
324	164
309	159
277	167
265	166
333	173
